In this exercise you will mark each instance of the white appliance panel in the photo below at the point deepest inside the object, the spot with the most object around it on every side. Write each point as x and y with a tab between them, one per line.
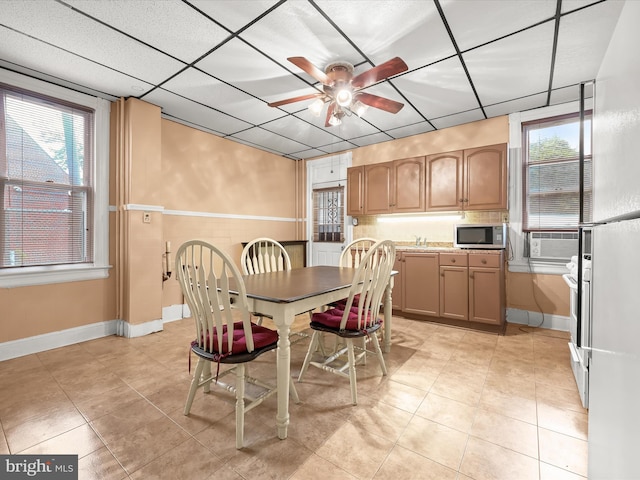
614	371
615	129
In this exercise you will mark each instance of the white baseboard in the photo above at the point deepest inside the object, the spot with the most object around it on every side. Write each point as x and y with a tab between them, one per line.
536	319
70	336
62	338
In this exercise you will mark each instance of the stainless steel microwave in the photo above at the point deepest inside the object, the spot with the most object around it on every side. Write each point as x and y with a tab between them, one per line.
468	235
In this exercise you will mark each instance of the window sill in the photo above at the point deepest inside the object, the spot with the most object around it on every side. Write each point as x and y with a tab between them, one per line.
547	268
30	276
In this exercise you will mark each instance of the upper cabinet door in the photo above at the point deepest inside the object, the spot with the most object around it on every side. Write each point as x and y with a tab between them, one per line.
444	181
379	189
486	178
355	191
409	185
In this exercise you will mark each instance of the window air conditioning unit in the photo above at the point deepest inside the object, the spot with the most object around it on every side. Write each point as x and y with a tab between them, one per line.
551	246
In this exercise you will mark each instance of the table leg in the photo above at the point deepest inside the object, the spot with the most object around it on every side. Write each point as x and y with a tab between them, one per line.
283	360
387	316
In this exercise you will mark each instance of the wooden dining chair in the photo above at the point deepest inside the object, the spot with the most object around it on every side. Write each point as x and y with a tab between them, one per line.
358	318
263	255
224	331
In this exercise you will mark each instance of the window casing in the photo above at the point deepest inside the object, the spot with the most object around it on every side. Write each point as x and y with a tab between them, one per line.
551	186
46	181
54	208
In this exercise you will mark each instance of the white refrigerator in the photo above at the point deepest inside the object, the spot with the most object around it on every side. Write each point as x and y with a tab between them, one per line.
614	369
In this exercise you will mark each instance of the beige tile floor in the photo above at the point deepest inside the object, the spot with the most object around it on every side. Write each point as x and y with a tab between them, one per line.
457	404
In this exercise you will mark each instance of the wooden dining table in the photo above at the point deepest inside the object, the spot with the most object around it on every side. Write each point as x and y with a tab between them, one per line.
283	295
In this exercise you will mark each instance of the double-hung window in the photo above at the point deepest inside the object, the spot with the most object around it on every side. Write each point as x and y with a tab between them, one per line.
53	208
551	163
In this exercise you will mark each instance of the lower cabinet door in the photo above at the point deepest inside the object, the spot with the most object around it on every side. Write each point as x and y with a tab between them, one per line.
454	292
420	283
485	303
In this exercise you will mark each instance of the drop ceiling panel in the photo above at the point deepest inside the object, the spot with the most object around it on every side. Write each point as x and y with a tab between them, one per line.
371	139
408	130
305	132
204	89
458	119
168	25
517	105
41	57
254	73
88	39
438	89
578	57
277	143
297	29
476	23
186	109
234	14
514	67
414	32
385	120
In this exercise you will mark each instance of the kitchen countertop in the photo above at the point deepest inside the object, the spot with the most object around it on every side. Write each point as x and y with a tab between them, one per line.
444	249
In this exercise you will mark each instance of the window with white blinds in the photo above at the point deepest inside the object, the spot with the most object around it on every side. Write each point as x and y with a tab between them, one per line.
328	214
46	163
551	173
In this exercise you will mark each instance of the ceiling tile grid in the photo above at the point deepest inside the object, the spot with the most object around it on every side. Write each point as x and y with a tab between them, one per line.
217	64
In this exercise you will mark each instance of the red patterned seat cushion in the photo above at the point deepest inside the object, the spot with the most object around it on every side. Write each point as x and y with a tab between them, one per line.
332	318
262	337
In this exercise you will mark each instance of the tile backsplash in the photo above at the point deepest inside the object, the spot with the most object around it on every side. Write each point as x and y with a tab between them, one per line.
437	232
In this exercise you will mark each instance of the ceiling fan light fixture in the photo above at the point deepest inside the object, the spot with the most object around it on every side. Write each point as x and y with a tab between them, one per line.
334	120
344	97
359	108
316	107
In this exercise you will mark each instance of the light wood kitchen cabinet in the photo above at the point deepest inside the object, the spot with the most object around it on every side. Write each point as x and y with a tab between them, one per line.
486	178
486	288
396	293
444	181
473	179
454	286
409	185
355	191
390	187
421	292
379	188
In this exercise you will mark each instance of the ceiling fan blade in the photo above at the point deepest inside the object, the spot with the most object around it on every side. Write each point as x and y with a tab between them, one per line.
330	109
294	99
384	70
375	101
311	69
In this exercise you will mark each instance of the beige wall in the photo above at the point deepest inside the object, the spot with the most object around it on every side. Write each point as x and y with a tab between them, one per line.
184	170
207	174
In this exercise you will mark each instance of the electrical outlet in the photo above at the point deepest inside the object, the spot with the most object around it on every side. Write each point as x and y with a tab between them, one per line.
505	218
146	217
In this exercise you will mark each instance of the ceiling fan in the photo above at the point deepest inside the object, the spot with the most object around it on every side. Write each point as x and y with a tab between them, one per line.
343	91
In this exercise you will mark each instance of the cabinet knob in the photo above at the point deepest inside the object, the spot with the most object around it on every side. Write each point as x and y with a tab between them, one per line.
453	260
484	261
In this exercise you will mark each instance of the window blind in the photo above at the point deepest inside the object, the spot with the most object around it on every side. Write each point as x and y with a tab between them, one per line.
551	173
46	159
